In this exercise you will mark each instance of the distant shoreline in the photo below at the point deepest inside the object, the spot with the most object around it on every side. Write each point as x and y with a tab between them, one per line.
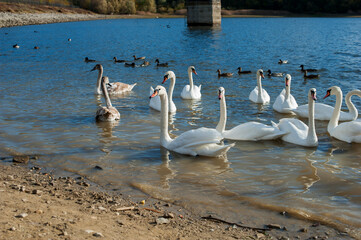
15	14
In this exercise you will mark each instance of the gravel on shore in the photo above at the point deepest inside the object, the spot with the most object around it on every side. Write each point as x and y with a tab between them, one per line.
20	19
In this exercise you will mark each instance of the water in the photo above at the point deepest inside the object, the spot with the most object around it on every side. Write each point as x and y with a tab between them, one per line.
48	107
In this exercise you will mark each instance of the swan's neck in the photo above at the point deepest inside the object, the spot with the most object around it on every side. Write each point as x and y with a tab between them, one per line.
336	112
223	116
288	91
190	76
164	136
351	107
99	80
106	95
311	135
260	92
171	88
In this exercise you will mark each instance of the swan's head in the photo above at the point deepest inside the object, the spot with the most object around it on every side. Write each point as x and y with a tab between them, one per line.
105	79
192	69
159	90
167	75
260	73
312	94
332	91
97	67
221	92
288	79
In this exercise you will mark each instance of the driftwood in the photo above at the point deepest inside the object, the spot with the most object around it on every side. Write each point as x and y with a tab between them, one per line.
125	208
153	210
238	225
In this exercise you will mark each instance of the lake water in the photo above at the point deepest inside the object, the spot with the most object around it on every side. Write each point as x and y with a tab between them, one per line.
48	107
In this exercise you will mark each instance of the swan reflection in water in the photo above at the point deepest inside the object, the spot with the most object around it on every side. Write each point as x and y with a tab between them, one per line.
308	176
195	112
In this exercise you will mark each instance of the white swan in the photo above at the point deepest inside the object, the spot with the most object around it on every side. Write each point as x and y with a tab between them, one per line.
113	88
250	131
201	141
324	111
285	102
297	132
155	101
347	131
191	91
108	113
258	94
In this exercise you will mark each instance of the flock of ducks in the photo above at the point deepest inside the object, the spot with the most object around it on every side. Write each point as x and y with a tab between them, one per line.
208	141
127	64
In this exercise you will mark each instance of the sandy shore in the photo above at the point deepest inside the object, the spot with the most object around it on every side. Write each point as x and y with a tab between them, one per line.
36	205
20	19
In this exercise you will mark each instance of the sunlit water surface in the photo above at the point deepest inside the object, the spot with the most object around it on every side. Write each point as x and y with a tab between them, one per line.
48	107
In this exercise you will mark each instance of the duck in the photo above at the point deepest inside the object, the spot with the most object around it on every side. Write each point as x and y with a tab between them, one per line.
161	64
107	113
243	72
258	94
155	101
191	91
196	142
118	61
224	74
282	61
16	46
308	69
250	131
36	47
297	132
139	58
145	64
324	111
271	74
310	76
69	39
113	88
285	102
129	64
88	60
348	131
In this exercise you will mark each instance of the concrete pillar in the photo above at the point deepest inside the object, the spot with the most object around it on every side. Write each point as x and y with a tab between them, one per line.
204	12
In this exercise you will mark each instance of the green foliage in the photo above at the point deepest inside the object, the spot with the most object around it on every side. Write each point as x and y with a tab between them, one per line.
145	5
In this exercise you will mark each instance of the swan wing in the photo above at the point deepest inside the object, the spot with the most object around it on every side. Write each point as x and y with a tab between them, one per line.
201	141
279	102
322	112
107	114
185	94
296	131
266	97
348	132
253	96
119	87
253	131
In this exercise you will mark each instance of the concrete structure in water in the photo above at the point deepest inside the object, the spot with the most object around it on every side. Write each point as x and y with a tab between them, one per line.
203	12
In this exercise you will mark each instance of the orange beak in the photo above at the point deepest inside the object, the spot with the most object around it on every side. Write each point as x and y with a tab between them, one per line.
287	82
327	95
314	97
165	79
262	75
154	94
194	71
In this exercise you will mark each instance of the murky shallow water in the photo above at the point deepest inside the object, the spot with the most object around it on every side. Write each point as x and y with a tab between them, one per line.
48	107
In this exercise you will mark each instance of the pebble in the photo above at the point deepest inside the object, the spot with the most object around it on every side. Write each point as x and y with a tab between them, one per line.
162	220
36	191
303	230
98	234
12	229
89	231
142	202
22	215
102	208
168	215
